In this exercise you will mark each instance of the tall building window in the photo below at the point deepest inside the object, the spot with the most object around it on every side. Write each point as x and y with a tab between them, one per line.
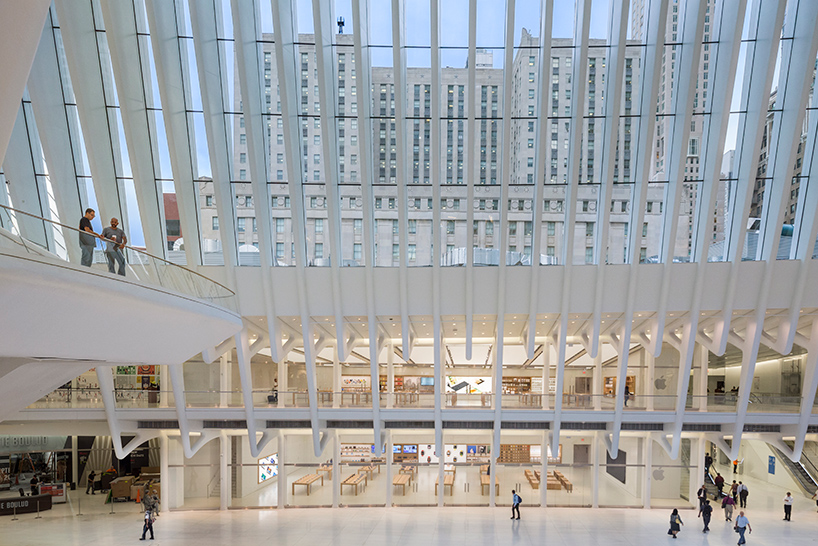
356	251
411	252
395	252
215	222
551	228
319	250
240	224
449	227
319	225
357	225
279	225
279	251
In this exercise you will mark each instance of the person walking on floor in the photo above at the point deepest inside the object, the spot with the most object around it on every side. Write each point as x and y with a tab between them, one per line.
734	491
742	495
675	522
515	504
701	494
148	525
90	486
707	511
742	525
87	238
115	240
728	503
788	506
719	481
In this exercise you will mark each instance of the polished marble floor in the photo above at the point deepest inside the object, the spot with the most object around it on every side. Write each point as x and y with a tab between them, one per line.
447	526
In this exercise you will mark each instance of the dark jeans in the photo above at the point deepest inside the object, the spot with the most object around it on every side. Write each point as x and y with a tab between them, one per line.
147	527
742	497
89	487
115	255
741	535
515	508
706	518
87	255
787	511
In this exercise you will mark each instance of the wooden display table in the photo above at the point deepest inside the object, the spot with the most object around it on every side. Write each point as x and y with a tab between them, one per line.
485	485
354	481
532	479
448	480
326	468
484	469
408	469
368	470
307	481
402	480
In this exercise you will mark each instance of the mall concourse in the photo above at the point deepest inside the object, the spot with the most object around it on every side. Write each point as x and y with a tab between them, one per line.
406	254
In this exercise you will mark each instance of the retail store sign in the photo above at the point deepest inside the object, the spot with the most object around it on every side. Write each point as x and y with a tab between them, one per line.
771	465
20	444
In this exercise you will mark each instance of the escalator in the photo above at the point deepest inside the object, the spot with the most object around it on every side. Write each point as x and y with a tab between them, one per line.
804	474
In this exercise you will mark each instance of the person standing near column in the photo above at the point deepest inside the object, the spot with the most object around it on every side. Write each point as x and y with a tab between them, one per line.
788	506
114	244
742	525
87	238
515	504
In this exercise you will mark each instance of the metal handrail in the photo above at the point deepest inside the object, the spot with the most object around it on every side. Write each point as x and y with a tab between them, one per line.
23	241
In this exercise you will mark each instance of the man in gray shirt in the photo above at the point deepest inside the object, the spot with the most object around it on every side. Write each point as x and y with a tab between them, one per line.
114	244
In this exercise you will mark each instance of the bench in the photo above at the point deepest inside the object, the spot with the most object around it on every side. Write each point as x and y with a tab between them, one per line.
448	480
485	485
354	481
307	481
403	480
408	469
532	479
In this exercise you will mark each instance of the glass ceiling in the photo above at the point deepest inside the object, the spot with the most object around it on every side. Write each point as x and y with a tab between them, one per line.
464	132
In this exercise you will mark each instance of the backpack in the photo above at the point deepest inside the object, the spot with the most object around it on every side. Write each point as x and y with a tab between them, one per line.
519	499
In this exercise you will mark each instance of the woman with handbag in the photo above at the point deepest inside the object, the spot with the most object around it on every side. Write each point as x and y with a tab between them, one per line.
675	522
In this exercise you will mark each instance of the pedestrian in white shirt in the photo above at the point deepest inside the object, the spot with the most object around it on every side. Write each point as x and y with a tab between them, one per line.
788	506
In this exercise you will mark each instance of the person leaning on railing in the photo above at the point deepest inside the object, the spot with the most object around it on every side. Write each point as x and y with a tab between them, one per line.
115	240
87	236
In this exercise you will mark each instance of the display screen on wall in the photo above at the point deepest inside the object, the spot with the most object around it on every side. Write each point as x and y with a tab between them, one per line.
267	468
427	381
410	449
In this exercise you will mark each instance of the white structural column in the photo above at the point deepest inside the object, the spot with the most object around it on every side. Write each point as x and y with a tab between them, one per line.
363	67
542	108
224	470
544	468
203	19
582	22
48	104
402	169
84	63
470	147
21	24
766	18
28	192
324	20
596	453
810	386
128	67
282	469
177	380
614	74
648	458
389	471
651	70
243	356
169	75
285	26
505	179
107	391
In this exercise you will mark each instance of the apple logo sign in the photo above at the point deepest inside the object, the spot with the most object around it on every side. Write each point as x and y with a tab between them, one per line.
658	474
660	384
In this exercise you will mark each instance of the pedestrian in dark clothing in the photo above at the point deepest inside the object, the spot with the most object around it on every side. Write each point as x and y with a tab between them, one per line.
719	481
728	503
515	504
33	483
708	462
742	495
90	487
115	240
701	494
707	512
87	238
734	491
148	525
675	522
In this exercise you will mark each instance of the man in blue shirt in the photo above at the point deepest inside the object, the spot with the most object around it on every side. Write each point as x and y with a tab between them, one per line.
742	525
515	504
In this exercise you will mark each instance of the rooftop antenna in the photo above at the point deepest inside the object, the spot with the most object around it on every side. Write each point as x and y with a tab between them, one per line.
340	25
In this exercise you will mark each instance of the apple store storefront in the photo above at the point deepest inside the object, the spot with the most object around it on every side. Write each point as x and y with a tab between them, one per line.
406	471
